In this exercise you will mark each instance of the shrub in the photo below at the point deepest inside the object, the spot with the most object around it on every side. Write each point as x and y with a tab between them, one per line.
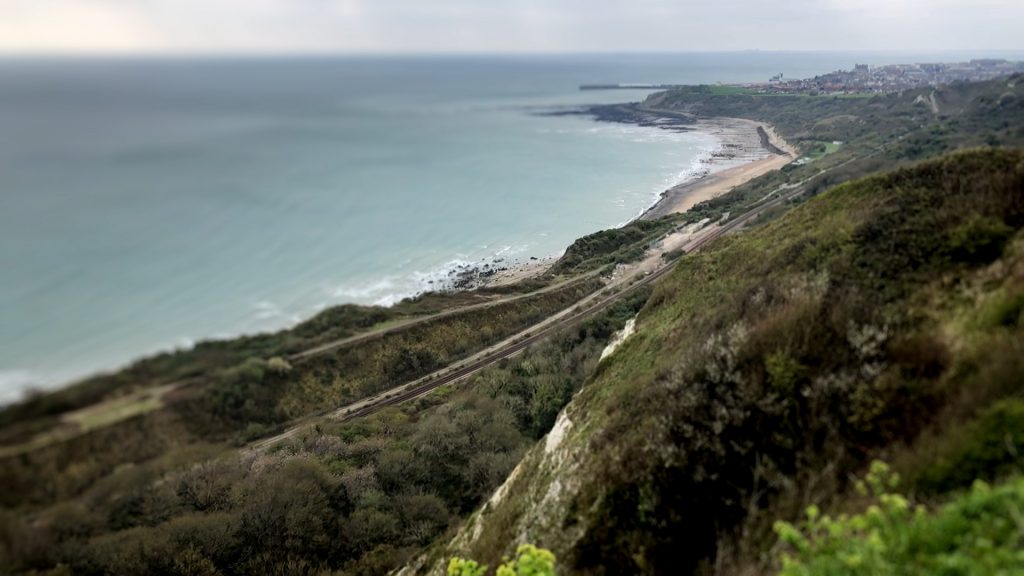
978	240
986	448
977	533
1005	311
529	561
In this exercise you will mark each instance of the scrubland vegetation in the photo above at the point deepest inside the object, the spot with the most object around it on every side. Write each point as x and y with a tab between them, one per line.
240	402
614	246
883	317
878	133
352	498
978	532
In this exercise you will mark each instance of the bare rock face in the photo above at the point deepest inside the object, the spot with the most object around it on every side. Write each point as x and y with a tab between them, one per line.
530	506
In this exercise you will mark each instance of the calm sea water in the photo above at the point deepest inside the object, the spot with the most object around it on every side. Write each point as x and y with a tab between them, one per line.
145	204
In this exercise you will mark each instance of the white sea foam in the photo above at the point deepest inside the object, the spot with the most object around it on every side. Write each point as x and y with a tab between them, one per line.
266	310
696	168
363	292
14	384
410	276
391	290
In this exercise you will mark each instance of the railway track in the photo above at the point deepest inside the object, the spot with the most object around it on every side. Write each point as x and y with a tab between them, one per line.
536	333
512	350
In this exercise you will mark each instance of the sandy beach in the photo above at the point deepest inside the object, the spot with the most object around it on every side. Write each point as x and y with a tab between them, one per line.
743	157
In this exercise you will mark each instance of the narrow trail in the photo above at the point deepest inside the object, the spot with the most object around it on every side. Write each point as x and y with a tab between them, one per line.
410	322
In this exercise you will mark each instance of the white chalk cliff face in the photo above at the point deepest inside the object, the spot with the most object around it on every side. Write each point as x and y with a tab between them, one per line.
528	507
619	338
532	505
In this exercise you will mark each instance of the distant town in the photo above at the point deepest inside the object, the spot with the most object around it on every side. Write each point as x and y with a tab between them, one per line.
865	79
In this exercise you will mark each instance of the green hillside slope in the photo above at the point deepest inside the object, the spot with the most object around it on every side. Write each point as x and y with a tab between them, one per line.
770	368
880	318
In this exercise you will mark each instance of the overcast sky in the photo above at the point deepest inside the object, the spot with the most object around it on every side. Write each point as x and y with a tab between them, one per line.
402	26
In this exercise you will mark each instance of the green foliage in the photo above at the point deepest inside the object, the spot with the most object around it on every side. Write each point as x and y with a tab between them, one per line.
784	373
979	239
359	497
790	353
462	567
246	393
1007	310
529	561
613	246
986	448
672	255
977	533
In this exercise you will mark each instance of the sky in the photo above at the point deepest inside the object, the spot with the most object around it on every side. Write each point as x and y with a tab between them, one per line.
513	26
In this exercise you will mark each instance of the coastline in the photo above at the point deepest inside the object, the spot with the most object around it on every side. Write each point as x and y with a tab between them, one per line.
749	149
737	158
746	150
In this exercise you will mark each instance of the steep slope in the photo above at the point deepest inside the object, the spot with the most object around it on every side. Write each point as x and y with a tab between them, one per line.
767	369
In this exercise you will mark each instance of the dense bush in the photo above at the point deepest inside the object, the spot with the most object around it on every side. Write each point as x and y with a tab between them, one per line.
613	246
790	355
977	533
358	498
987	448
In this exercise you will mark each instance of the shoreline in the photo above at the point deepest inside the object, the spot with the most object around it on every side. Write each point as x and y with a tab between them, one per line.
737	158
746	150
756	149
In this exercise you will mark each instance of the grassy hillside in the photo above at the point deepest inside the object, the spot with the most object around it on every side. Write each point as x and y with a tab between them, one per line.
882	318
613	246
878	133
359	497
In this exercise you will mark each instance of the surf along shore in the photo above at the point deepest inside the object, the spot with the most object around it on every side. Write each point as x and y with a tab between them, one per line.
746	150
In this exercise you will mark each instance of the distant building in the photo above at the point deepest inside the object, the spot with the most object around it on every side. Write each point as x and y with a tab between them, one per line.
867	79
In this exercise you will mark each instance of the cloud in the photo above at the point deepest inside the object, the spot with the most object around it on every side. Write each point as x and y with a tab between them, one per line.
67	26
505	25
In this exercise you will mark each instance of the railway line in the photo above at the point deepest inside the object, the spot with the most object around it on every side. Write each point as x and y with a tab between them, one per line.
519	342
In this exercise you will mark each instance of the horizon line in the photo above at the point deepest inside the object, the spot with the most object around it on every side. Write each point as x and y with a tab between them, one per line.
217	54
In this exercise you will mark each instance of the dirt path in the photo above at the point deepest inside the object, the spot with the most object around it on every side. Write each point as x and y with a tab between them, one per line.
409	323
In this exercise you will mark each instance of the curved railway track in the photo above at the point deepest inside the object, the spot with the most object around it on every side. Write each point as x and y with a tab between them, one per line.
537	332
433	382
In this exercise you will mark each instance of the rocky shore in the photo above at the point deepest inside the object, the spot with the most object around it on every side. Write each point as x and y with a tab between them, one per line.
497	272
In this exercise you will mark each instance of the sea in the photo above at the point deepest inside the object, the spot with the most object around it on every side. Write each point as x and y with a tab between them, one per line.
148	203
